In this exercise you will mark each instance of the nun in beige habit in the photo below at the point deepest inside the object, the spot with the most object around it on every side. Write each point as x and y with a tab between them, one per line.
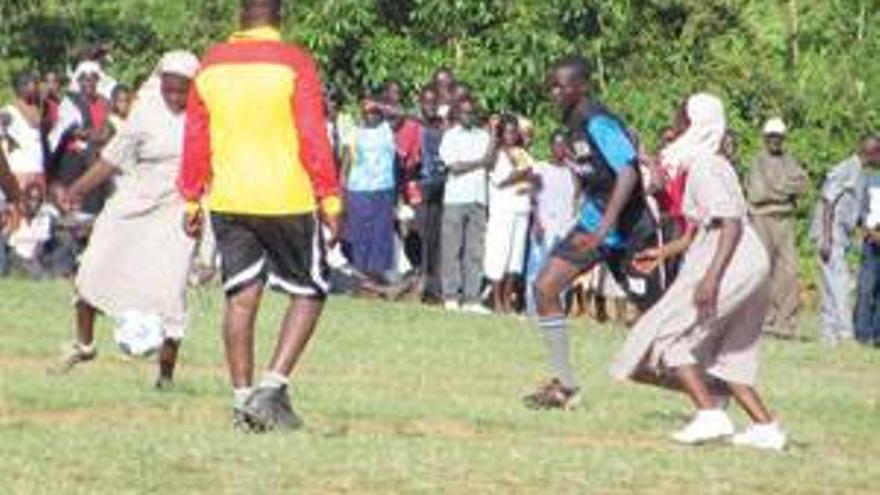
138	257
702	337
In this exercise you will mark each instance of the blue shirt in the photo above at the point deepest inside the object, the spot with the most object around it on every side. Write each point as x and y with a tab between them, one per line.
613	145
374	153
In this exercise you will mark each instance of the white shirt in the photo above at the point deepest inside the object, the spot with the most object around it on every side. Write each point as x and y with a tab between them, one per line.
509	199
31	235
555	197
462	145
28	157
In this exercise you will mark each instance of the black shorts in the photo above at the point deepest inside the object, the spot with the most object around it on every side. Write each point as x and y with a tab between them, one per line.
643	290
285	252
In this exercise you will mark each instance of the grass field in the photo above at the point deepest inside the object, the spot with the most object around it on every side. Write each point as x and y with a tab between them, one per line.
403	399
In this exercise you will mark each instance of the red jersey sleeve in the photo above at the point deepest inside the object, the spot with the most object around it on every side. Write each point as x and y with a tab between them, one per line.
195	173
315	152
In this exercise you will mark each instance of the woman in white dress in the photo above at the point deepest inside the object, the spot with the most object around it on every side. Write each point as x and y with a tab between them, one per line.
138	257
702	337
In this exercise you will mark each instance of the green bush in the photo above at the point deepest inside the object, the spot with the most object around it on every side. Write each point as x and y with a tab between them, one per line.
813	62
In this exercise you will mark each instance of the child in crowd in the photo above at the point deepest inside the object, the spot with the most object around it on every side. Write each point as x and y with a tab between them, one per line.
28	242
509	208
555	197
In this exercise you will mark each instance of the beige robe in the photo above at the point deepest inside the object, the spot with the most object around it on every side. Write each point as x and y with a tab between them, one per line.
138	256
670	334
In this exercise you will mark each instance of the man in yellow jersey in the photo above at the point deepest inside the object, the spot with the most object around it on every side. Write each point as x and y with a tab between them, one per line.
257	150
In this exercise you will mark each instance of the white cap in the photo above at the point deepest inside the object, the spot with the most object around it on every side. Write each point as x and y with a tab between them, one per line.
775	127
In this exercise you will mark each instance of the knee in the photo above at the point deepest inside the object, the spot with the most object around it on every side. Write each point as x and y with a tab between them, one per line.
545	290
246	300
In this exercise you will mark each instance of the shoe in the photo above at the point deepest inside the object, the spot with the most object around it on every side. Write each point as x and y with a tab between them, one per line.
452	306
240	421
72	354
269	409
761	436
553	395
706	426
164	384
476	309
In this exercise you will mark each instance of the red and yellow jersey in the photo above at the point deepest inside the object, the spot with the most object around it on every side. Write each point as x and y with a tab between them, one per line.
256	134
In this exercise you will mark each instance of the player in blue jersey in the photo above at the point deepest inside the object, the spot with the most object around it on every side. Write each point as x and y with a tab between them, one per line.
614	222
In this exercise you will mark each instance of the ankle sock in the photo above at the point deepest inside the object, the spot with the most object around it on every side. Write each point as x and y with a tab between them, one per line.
271	379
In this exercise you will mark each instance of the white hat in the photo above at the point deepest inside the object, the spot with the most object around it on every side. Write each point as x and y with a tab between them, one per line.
775	127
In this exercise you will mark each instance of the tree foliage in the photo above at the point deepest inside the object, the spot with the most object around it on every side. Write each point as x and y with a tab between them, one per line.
812	61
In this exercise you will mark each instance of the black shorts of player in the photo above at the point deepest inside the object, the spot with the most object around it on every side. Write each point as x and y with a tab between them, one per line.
284	252
643	290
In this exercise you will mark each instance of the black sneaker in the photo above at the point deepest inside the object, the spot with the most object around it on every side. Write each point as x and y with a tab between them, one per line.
269	409
240	421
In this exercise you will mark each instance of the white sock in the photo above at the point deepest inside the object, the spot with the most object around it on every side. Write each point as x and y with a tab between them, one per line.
556	339
271	379
86	348
240	395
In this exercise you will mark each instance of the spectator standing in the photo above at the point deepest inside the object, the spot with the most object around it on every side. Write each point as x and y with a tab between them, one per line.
431	181
464	151
775	183
509	208
82	129
834	219
370	194
867	315
23	137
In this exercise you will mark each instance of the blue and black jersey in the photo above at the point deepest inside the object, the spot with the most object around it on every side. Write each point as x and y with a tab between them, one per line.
611	151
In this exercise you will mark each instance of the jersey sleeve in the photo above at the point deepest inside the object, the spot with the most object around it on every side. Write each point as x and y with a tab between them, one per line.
316	152
612	142
195	173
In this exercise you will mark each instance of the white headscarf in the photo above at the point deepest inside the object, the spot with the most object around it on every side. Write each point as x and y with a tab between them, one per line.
703	137
87	67
179	63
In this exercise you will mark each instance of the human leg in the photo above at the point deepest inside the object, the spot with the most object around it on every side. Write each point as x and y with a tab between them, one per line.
452	243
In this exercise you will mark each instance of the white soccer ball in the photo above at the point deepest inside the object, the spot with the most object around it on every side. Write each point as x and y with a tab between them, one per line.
138	334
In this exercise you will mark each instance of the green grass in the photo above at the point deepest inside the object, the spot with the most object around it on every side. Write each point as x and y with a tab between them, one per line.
403	399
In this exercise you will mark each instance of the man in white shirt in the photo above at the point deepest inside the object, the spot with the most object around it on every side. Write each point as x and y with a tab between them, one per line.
466	151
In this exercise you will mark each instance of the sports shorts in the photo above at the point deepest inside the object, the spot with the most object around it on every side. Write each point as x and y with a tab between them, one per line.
284	252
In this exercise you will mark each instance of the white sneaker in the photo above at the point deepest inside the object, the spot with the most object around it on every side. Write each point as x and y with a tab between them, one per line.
706	426
451	306
766	437
476	308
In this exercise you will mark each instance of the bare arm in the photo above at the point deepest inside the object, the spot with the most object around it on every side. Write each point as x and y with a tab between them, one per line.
486	161
94	177
8	182
624	186
706	295
731	233
346	163
827	236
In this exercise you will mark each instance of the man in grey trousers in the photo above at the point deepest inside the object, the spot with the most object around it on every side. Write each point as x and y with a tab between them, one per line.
466	151
776	181
834	220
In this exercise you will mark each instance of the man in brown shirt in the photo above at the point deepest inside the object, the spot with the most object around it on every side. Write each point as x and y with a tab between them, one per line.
775	182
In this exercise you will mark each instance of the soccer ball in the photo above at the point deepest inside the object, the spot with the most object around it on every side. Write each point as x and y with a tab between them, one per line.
138	334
